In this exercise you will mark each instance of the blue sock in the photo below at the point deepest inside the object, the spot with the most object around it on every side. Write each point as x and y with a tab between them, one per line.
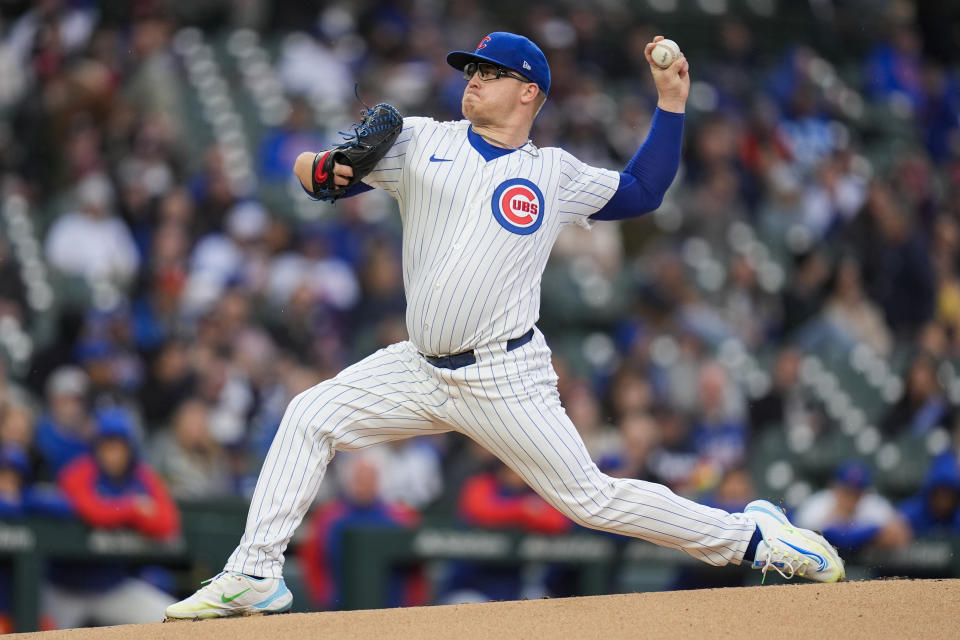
751	553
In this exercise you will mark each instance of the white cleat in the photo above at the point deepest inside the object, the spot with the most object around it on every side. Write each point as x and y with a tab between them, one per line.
233	594
790	550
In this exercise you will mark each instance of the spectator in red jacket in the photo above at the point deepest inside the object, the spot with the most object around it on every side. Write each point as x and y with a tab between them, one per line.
500	499
111	488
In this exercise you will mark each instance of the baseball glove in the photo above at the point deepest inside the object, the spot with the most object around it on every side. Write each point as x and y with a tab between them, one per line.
372	137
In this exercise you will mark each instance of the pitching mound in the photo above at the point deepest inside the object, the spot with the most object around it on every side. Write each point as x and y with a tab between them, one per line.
874	610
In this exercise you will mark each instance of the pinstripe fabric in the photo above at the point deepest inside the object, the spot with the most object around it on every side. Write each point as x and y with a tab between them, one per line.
508	403
381	398
471	283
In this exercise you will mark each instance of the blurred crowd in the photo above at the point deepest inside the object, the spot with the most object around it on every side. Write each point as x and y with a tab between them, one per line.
817	212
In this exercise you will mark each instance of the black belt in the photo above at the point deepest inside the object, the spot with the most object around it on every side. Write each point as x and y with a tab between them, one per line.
466	358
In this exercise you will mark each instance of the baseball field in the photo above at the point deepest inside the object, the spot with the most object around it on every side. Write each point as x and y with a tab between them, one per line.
876	610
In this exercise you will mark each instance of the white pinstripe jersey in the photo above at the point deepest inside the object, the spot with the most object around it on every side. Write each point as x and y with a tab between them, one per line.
477	233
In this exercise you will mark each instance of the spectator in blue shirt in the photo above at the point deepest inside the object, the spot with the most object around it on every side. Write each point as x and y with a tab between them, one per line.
19	499
67	428
936	509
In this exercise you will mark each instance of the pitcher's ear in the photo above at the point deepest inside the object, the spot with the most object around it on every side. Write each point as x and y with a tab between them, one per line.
530	92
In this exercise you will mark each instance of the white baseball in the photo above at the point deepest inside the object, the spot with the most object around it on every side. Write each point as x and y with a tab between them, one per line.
665	53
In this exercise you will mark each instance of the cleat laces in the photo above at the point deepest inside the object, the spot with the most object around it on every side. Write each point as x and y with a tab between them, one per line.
784	565
214	578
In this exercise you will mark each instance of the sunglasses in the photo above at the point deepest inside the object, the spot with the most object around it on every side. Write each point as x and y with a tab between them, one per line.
489	72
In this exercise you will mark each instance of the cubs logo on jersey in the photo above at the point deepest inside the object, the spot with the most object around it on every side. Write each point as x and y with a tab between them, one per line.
518	206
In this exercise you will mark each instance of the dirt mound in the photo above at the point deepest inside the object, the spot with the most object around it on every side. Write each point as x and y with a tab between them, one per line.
875	610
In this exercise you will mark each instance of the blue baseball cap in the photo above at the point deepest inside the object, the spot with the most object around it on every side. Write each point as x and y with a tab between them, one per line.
854	474
509	50
115	422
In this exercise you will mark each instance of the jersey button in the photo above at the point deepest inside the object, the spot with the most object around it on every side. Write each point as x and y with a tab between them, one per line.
437	284
456	246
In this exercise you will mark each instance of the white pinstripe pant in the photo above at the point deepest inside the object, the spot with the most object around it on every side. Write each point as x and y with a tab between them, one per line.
507	402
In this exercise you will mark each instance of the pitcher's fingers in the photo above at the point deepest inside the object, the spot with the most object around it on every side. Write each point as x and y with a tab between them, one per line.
648	50
342	174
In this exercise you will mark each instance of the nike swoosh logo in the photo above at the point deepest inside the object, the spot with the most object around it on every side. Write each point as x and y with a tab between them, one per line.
820	559
320	175
436	159
225	599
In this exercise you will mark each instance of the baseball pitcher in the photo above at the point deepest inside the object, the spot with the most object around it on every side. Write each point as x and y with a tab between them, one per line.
481	206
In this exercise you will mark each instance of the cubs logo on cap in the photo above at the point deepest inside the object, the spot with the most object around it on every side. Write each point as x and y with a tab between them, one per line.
518	206
507	50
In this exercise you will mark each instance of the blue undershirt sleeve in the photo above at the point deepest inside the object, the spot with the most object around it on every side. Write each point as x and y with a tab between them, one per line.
649	173
851	537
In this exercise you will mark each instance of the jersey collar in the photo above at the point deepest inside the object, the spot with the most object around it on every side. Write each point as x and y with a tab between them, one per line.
484	148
